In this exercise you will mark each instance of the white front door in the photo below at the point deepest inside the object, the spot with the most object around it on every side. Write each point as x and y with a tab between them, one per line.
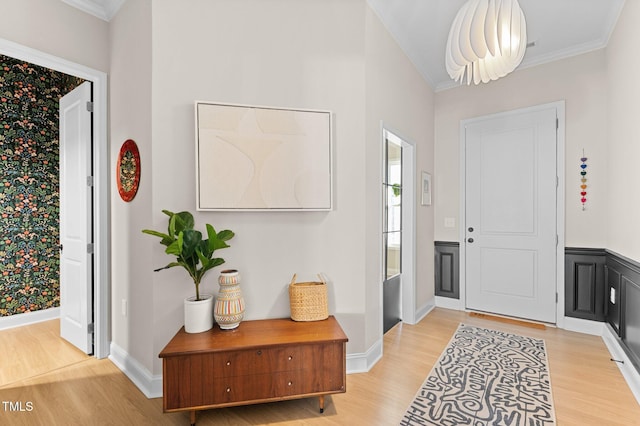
510	200
76	283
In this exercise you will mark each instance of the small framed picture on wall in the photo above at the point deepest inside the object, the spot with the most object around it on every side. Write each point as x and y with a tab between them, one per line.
426	189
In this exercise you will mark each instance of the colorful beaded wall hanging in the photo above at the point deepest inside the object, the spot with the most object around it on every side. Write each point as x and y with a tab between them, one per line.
583	180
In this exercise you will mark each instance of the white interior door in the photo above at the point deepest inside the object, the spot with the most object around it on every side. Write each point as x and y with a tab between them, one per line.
510	199
76	283
392	231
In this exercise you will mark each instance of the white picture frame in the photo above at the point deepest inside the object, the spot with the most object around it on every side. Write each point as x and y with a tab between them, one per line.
261	158
426	189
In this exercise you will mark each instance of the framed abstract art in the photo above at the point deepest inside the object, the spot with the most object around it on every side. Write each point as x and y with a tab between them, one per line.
262	158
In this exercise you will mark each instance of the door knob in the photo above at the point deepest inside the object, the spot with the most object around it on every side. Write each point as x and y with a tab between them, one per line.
470	240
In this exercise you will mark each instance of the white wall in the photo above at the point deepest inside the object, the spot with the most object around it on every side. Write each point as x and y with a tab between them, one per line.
305	54
325	54
130	118
580	81
623	226
56	28
318	54
398	97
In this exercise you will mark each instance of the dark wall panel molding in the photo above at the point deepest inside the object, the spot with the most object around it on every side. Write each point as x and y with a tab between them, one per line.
585	283
447	269
623	302
612	295
631	335
600	285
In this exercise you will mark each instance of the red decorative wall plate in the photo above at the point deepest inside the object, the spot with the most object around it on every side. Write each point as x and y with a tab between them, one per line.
128	170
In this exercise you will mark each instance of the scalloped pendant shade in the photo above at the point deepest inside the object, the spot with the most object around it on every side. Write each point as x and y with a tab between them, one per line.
487	40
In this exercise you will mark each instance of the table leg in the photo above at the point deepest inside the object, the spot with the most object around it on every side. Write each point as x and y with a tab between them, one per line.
321	398
193	417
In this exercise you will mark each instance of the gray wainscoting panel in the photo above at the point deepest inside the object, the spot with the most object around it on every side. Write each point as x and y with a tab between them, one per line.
447	269
624	309
585	283
632	317
391	302
600	285
612	295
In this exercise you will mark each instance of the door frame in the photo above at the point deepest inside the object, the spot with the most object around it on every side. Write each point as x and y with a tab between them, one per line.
408	253
560	199
100	164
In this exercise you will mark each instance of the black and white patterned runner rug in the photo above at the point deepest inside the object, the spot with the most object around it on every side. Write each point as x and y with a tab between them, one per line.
486	377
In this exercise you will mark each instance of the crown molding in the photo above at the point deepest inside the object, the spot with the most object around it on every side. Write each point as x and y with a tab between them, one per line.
103	9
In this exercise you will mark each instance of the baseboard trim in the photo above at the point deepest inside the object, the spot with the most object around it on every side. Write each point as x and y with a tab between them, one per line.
424	311
449	303
18	320
630	374
149	385
363	362
583	326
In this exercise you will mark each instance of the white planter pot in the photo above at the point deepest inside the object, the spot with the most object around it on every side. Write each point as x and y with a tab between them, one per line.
198	315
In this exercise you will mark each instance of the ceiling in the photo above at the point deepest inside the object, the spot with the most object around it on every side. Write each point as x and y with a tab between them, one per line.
559	28
103	9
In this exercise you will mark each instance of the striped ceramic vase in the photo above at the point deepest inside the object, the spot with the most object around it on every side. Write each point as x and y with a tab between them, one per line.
229	307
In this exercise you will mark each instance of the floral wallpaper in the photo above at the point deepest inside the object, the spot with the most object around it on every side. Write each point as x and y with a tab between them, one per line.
29	193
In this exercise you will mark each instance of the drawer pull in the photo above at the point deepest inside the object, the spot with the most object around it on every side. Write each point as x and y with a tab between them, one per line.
228	362
290	357
290	383
228	390
259	352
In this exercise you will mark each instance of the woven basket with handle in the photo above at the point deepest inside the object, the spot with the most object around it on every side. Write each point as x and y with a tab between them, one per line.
308	300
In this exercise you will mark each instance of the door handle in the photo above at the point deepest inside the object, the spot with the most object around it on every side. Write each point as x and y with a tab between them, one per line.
469	240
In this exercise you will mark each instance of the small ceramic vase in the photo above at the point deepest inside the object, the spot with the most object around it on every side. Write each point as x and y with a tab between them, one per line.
229	307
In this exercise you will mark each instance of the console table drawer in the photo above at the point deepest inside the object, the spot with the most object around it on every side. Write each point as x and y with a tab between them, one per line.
239	363
253	388
199	390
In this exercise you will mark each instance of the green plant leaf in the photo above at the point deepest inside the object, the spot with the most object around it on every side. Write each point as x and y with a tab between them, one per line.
184	221
226	235
211	237
172	225
215	240
175	247
165	239
216	261
191	240
170	265
397	189
208	263
205	250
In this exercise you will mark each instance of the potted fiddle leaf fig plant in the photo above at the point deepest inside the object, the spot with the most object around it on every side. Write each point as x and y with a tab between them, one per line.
195	255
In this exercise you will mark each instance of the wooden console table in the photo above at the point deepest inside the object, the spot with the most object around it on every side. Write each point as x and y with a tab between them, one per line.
260	361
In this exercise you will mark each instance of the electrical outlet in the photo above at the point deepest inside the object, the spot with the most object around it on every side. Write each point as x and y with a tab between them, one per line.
124	307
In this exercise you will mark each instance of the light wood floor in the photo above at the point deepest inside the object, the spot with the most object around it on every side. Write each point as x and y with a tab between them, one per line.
588	388
34	350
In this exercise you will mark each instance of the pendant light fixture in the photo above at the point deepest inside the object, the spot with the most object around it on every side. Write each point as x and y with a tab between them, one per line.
487	40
